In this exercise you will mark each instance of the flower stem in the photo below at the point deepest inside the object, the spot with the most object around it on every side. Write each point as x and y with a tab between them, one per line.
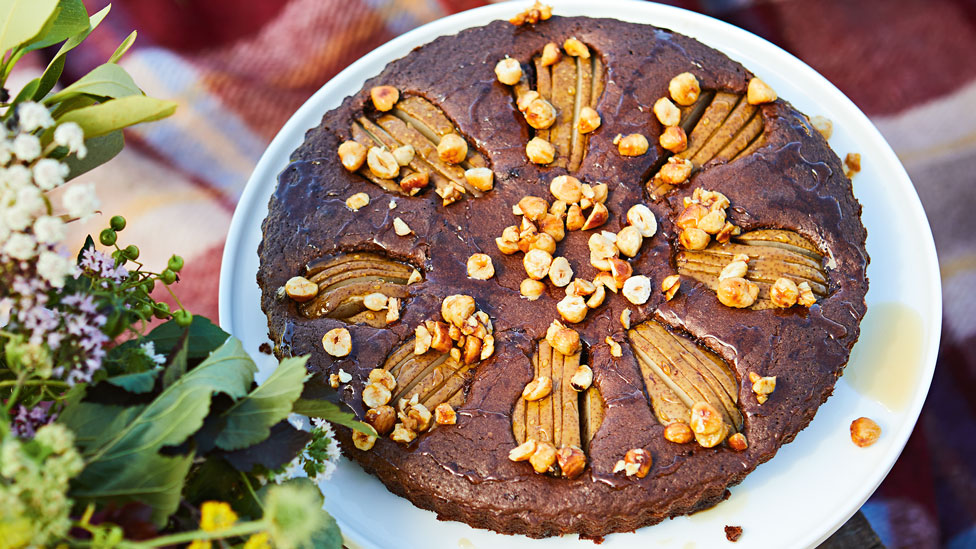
241	529
21	379
250	489
31	382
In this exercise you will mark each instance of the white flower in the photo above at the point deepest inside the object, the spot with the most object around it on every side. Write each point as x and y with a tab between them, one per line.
16	176
4	231
6	150
6	304
27	147
20	246
32	116
49	229
149	349
49	173
80	200
71	135
54	267
20	215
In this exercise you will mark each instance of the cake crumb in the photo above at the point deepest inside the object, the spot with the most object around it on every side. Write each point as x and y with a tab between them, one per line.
732	533
852	164
265	348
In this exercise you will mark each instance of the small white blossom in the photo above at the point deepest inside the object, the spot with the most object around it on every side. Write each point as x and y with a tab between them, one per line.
27	147
20	246
6	304
49	173
4	231
20	215
71	135
16	176
49	229
149	349
54	268
6	150
80	200
33	116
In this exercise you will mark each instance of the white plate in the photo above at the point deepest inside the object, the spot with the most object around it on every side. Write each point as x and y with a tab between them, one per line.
815	483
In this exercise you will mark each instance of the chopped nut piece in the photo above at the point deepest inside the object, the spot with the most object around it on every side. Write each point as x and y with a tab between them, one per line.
472	349
564	340
580	287
852	164
712	222
784	293
558	209
684	89
707	425
538	12
414	277
560	272
625	319
806	297
737	268
480	267
352	155
540	151
414	181
574	218
678	433
642	218
670	286
728	230
571	460
454	332
576	48
457	308
393	310
402	435
629	240
864	432
456	354
334	381
400	227
823	125
666	112
694	238
537	389
543	458
487	347
601	263
523	451
540	114
404	154
615	349
552	225
452	149
357	201
376	395
508	71
637	462
382	377
416	417
599	295
689	217
362	441
759	92
444	414
384	97
732	533
423	340
634	144
572	309
598	216
344	376
621	271
676	171
674	139
566	188
381	419
533	207
737	292
619	466
762	386
589	120
375	301
531	289
637	289
480	178
582	378
536	263
526	99
710	199
301	289
551	54
337	342
605	280
600	193
507	247
382	163
738	442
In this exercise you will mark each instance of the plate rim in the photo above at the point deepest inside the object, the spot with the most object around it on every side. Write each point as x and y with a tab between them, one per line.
270	165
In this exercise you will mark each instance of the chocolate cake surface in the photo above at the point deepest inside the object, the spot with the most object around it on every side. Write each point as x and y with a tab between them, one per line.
788	195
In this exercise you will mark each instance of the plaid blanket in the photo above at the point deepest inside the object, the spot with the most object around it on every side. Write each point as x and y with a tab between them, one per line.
240	68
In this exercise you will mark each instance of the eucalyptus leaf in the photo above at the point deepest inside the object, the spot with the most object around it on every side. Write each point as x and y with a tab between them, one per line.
50	77
78	38
108	80
101	149
250	419
71	18
331	412
71	104
123	47
118	113
26	93
22	20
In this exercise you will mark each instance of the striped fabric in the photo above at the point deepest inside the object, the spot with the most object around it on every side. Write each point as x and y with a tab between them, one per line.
240	68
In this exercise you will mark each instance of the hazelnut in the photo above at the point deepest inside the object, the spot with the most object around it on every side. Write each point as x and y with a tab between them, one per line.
634	144
806	297
615	350
452	149
576	48
531	289
580	287
404	154
523	451
414	277
382	163
711	199
571	460
480	267
375	301
602	264
678	433
540	114
381	419
560	272
621	271
400	227
629	241
712	222
637	289
352	155
357	201
538	12
540	151
337	342
444	414
670	286
472	349
642	218
625	319
384	97
762	386
707	425
393	310
784	293
666	112
566	188
487	347
362	441
334	381
759	92
676	171
599	295
543	458
536	263
864	432
694	238
673	139
619	466
738	442
415	181
344	376
737	292
376	395
558	208
526	99
589	120
684	89
551	54
454	332
564	340
301	289
533	207
402	435
823	125
507	247
605	280
690	216
537	389
637	462
599	192
574	218
440	334
457	308
572	309
382	377
737	268
598	216
480	178
727	232
416	417
508	71
422	340
552	225
582	378
852	164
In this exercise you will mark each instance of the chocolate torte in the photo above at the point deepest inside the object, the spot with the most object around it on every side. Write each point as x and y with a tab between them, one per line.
581	275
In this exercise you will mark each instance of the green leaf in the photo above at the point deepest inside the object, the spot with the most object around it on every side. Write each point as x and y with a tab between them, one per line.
71	18
68	105
123	47
328	536
50	77
101	149
26	93
22	20
92	422
137	383
177	364
205	336
57	63
250	419
331	412
108	80
117	114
